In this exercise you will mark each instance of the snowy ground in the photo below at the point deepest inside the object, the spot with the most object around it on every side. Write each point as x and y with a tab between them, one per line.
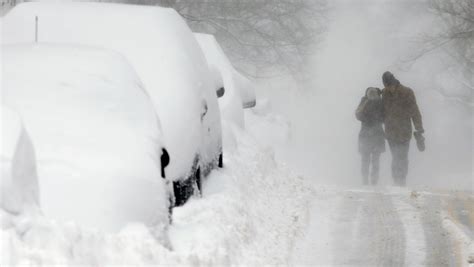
255	211
251	213
388	227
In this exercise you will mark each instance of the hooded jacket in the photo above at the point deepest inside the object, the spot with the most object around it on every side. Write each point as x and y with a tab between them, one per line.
371	135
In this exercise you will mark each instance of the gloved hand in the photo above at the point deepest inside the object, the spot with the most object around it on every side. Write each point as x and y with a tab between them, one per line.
420	140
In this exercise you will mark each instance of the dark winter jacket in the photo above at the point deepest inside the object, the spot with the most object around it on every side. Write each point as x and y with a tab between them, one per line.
371	136
400	109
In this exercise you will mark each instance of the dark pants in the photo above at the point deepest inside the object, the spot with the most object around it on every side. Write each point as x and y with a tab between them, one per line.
399	161
367	160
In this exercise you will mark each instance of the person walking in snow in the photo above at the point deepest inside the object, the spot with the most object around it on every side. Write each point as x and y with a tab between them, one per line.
400	109
371	135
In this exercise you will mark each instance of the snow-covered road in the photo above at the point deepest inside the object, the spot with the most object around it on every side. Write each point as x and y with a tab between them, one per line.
388	227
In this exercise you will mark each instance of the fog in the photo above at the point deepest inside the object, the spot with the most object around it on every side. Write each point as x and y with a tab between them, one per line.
364	39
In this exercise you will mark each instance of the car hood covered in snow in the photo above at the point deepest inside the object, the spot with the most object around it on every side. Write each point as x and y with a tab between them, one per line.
158	44
96	134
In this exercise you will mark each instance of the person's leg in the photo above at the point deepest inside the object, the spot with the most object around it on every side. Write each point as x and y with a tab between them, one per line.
375	167
399	161
404	148
365	168
395	151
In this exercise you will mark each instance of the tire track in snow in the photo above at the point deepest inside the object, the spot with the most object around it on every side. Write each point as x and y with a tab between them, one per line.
389	227
375	238
343	231
458	221
389	239
414	230
438	250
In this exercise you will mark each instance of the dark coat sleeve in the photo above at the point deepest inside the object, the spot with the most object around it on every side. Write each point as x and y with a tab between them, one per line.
415	112
360	114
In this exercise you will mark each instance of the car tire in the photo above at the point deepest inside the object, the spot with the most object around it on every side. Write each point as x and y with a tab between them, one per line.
198	180
221	161
170	211
183	190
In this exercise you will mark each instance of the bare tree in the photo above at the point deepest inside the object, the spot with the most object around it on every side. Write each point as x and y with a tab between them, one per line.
6	5
458	17
262	37
455	38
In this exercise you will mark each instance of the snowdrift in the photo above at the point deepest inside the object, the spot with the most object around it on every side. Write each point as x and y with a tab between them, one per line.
96	134
250	213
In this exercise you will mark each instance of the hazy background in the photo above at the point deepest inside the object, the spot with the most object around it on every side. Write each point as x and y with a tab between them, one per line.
364	39
313	59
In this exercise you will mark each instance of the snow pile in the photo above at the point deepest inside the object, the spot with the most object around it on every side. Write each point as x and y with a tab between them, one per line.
261	207
250	213
96	135
18	180
270	129
462	238
39	241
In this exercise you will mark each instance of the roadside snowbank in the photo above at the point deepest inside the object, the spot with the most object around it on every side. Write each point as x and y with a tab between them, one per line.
460	240
250	213
260	205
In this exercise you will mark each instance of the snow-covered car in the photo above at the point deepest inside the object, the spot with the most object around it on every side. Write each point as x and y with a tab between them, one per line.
239	90
97	136
18	180
165	54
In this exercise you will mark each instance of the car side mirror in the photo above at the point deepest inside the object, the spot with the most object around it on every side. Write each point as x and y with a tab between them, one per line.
246	90
249	104
217	80
165	161
220	92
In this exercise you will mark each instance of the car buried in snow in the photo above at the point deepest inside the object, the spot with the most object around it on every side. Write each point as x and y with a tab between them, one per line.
239	90
96	134
162	49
